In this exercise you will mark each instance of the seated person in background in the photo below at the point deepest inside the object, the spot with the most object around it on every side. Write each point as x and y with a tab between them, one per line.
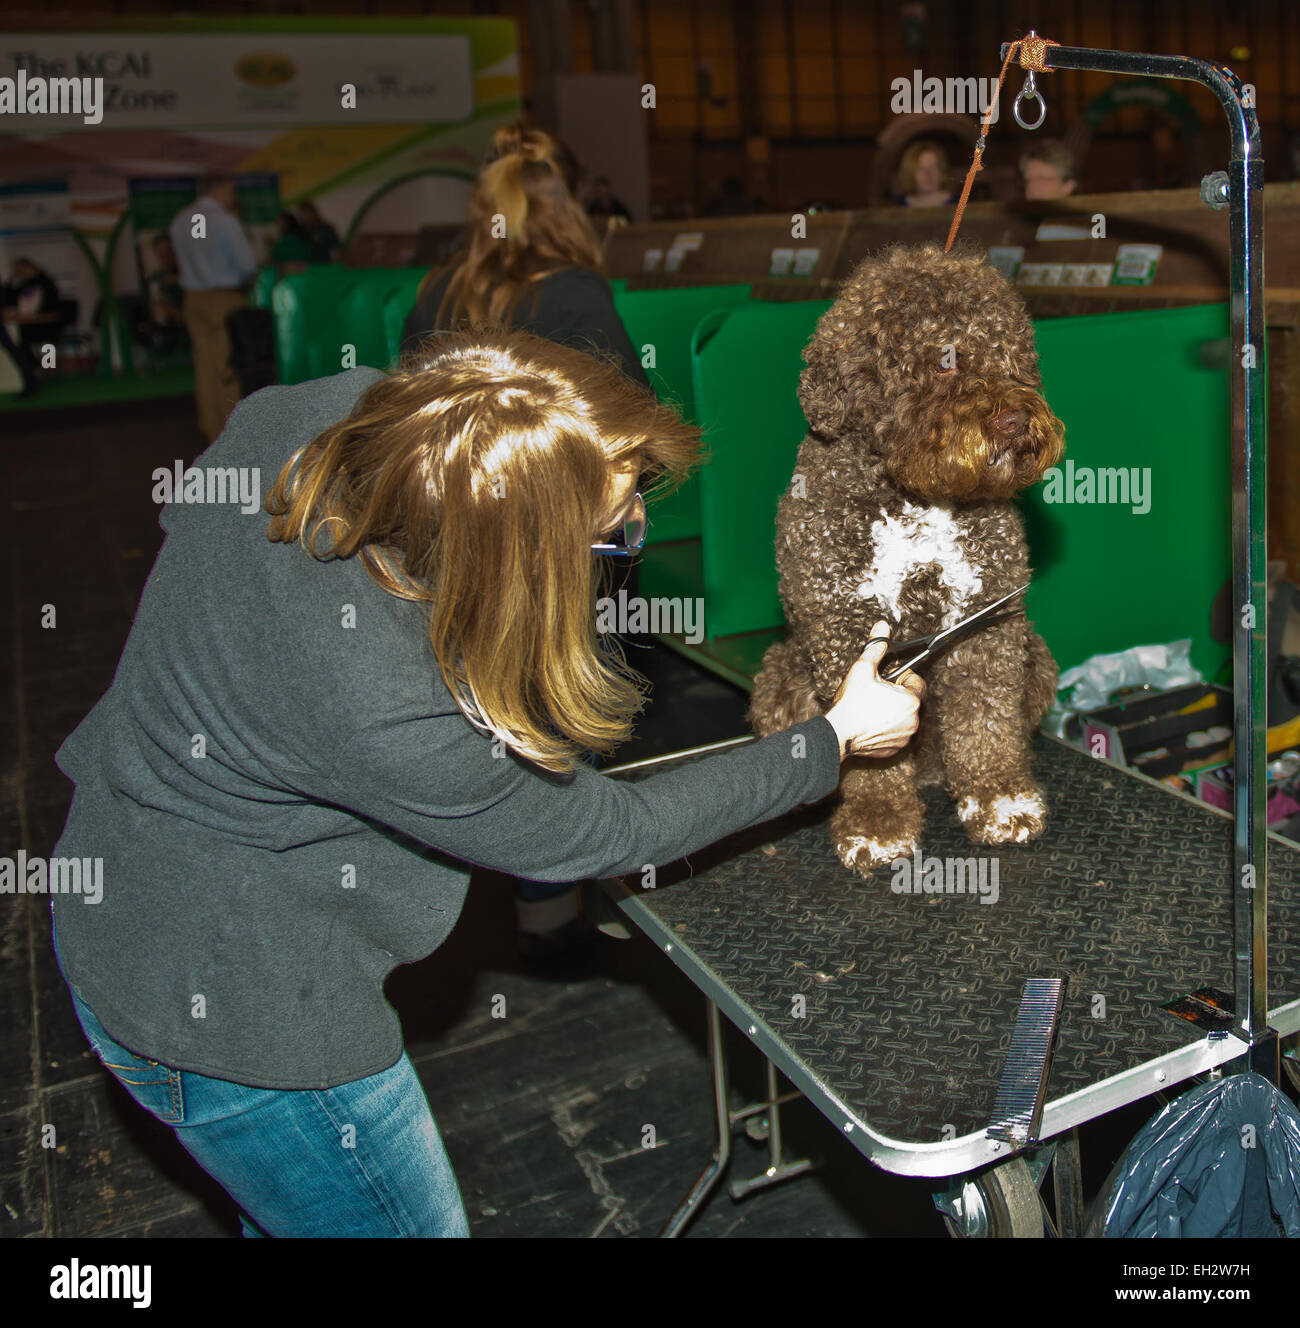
1047	169
322	238
291	251
31	300
922	176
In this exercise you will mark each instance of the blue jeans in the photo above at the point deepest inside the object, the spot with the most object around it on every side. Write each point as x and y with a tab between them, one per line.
362	1159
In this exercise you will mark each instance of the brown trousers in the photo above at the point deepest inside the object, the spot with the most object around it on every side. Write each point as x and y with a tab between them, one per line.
216	388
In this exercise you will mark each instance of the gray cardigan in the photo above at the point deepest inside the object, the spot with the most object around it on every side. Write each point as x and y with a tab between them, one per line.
287	806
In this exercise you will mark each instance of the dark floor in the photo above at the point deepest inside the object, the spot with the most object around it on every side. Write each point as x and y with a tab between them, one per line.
543	1113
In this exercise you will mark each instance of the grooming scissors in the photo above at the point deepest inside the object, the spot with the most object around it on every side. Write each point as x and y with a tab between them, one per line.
937	641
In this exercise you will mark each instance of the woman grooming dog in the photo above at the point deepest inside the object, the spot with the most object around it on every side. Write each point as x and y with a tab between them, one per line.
320	722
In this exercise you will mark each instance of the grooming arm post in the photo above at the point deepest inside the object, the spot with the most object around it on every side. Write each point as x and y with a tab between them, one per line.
1249	485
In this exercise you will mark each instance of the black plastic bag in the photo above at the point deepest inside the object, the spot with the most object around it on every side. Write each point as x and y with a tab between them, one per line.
1222	1160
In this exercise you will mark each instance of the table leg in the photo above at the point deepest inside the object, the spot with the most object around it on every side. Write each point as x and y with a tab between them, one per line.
712	1174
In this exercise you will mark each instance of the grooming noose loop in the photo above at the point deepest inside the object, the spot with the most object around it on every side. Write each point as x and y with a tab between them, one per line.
1032	50
1029	93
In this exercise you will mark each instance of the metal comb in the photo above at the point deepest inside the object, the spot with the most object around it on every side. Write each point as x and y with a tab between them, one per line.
1018	1107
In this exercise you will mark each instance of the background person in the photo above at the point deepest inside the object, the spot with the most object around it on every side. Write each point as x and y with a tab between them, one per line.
543	275
22	360
216	271
1047	169
258	893
291	251
30	301
322	238
31	297
921	179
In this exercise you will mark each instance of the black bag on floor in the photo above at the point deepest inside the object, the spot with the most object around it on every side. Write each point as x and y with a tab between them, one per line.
252	348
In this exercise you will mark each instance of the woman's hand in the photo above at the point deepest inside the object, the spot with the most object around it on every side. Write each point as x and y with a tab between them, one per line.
872	717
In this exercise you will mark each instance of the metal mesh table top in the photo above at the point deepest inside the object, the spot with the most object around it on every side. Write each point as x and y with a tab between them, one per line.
910	999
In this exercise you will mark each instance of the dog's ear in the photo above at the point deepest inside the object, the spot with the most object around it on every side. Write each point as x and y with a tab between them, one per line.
823	393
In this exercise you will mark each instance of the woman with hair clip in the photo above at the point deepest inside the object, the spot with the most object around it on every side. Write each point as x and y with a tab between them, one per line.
320	723
531	260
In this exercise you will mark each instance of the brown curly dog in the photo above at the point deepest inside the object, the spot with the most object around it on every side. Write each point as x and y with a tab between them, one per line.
924	401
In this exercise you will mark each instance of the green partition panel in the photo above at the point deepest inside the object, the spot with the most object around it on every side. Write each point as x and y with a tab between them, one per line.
320	311
308	323
1133	394
747	363
666	320
362	310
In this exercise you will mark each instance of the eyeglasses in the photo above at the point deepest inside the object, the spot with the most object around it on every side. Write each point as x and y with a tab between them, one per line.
634	529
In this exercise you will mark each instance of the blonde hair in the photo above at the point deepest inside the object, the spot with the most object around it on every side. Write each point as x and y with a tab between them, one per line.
475	478
523	224
905	176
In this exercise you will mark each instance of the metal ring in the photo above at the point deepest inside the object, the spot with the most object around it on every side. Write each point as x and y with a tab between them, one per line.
1030	92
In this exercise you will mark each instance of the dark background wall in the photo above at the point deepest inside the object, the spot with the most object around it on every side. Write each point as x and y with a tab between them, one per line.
788	95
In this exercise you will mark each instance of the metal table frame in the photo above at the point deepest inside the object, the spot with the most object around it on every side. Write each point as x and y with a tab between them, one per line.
960	1156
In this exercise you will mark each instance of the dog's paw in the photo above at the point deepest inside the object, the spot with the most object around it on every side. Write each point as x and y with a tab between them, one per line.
1004	818
862	854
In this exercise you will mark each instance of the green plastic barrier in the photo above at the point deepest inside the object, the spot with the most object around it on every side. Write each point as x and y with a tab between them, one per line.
320	311
747	363
1108	575
362	310
1133	395
666	320
309	332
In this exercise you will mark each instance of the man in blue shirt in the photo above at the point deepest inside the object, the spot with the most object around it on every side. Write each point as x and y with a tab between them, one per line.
217	267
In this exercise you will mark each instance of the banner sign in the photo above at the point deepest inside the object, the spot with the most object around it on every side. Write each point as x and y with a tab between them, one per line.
34	206
57	82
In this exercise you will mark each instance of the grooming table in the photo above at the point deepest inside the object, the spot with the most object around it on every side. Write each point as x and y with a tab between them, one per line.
910	999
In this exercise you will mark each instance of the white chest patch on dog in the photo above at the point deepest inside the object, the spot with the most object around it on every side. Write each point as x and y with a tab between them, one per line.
916	538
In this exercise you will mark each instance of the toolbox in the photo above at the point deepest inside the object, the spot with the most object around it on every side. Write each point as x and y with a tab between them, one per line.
1151	732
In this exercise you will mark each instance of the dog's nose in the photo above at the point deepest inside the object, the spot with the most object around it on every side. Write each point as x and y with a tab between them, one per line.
1010	423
